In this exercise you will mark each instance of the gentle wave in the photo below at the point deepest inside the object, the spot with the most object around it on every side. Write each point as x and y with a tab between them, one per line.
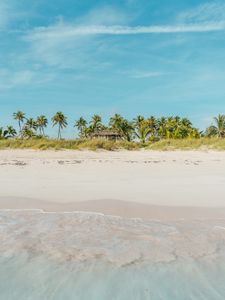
83	256
82	235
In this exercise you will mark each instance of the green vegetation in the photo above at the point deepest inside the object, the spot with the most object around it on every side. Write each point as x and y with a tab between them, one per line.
163	145
218	129
166	133
203	143
45	144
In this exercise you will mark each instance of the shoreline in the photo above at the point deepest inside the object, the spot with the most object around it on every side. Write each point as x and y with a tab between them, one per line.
116	208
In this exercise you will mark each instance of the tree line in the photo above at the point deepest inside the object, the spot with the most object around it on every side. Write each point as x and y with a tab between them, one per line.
141	128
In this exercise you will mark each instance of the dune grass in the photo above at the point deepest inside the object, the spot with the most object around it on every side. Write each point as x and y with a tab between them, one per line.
48	144
188	144
163	145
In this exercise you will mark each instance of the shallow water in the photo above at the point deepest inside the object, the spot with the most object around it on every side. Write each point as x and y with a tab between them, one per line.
92	256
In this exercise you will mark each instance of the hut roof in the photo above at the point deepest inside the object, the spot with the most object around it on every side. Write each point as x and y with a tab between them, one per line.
106	133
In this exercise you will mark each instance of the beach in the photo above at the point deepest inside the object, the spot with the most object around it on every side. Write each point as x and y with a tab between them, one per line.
124	183
151	224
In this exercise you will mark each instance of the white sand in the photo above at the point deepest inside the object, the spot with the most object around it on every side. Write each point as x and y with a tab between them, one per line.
102	181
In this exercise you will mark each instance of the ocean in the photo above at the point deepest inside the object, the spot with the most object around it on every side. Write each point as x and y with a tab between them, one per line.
87	256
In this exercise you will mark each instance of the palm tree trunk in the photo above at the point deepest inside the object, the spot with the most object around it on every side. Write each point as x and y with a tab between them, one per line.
59	134
20	128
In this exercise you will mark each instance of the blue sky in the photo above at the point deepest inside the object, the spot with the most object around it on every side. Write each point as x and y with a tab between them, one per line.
149	57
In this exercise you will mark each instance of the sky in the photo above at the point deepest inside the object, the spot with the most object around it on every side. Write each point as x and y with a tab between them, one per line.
132	57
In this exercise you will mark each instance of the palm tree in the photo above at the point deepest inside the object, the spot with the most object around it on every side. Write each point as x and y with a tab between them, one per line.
7	133
218	129
3	133
86	132
154	127
81	124
186	122
122	126
42	123
177	119
162	127
60	120
211	131
10	131
171	127
27	132
127	130
115	122
29	129
142	128
20	117
220	125
31	124
138	120
96	124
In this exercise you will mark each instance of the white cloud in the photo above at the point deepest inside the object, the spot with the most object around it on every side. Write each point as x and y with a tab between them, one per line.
76	44
105	20
66	45
62	32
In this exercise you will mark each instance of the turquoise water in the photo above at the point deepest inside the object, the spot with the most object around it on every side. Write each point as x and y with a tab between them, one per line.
87	256
38	279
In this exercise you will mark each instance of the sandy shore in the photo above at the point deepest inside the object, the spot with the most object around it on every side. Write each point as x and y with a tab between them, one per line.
147	184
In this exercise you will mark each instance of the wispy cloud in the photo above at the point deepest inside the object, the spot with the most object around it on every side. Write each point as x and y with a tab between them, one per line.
145	74
56	46
208	17
11	79
67	31
67	44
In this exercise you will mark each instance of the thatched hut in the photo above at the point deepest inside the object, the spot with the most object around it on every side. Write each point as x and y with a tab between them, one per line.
107	135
